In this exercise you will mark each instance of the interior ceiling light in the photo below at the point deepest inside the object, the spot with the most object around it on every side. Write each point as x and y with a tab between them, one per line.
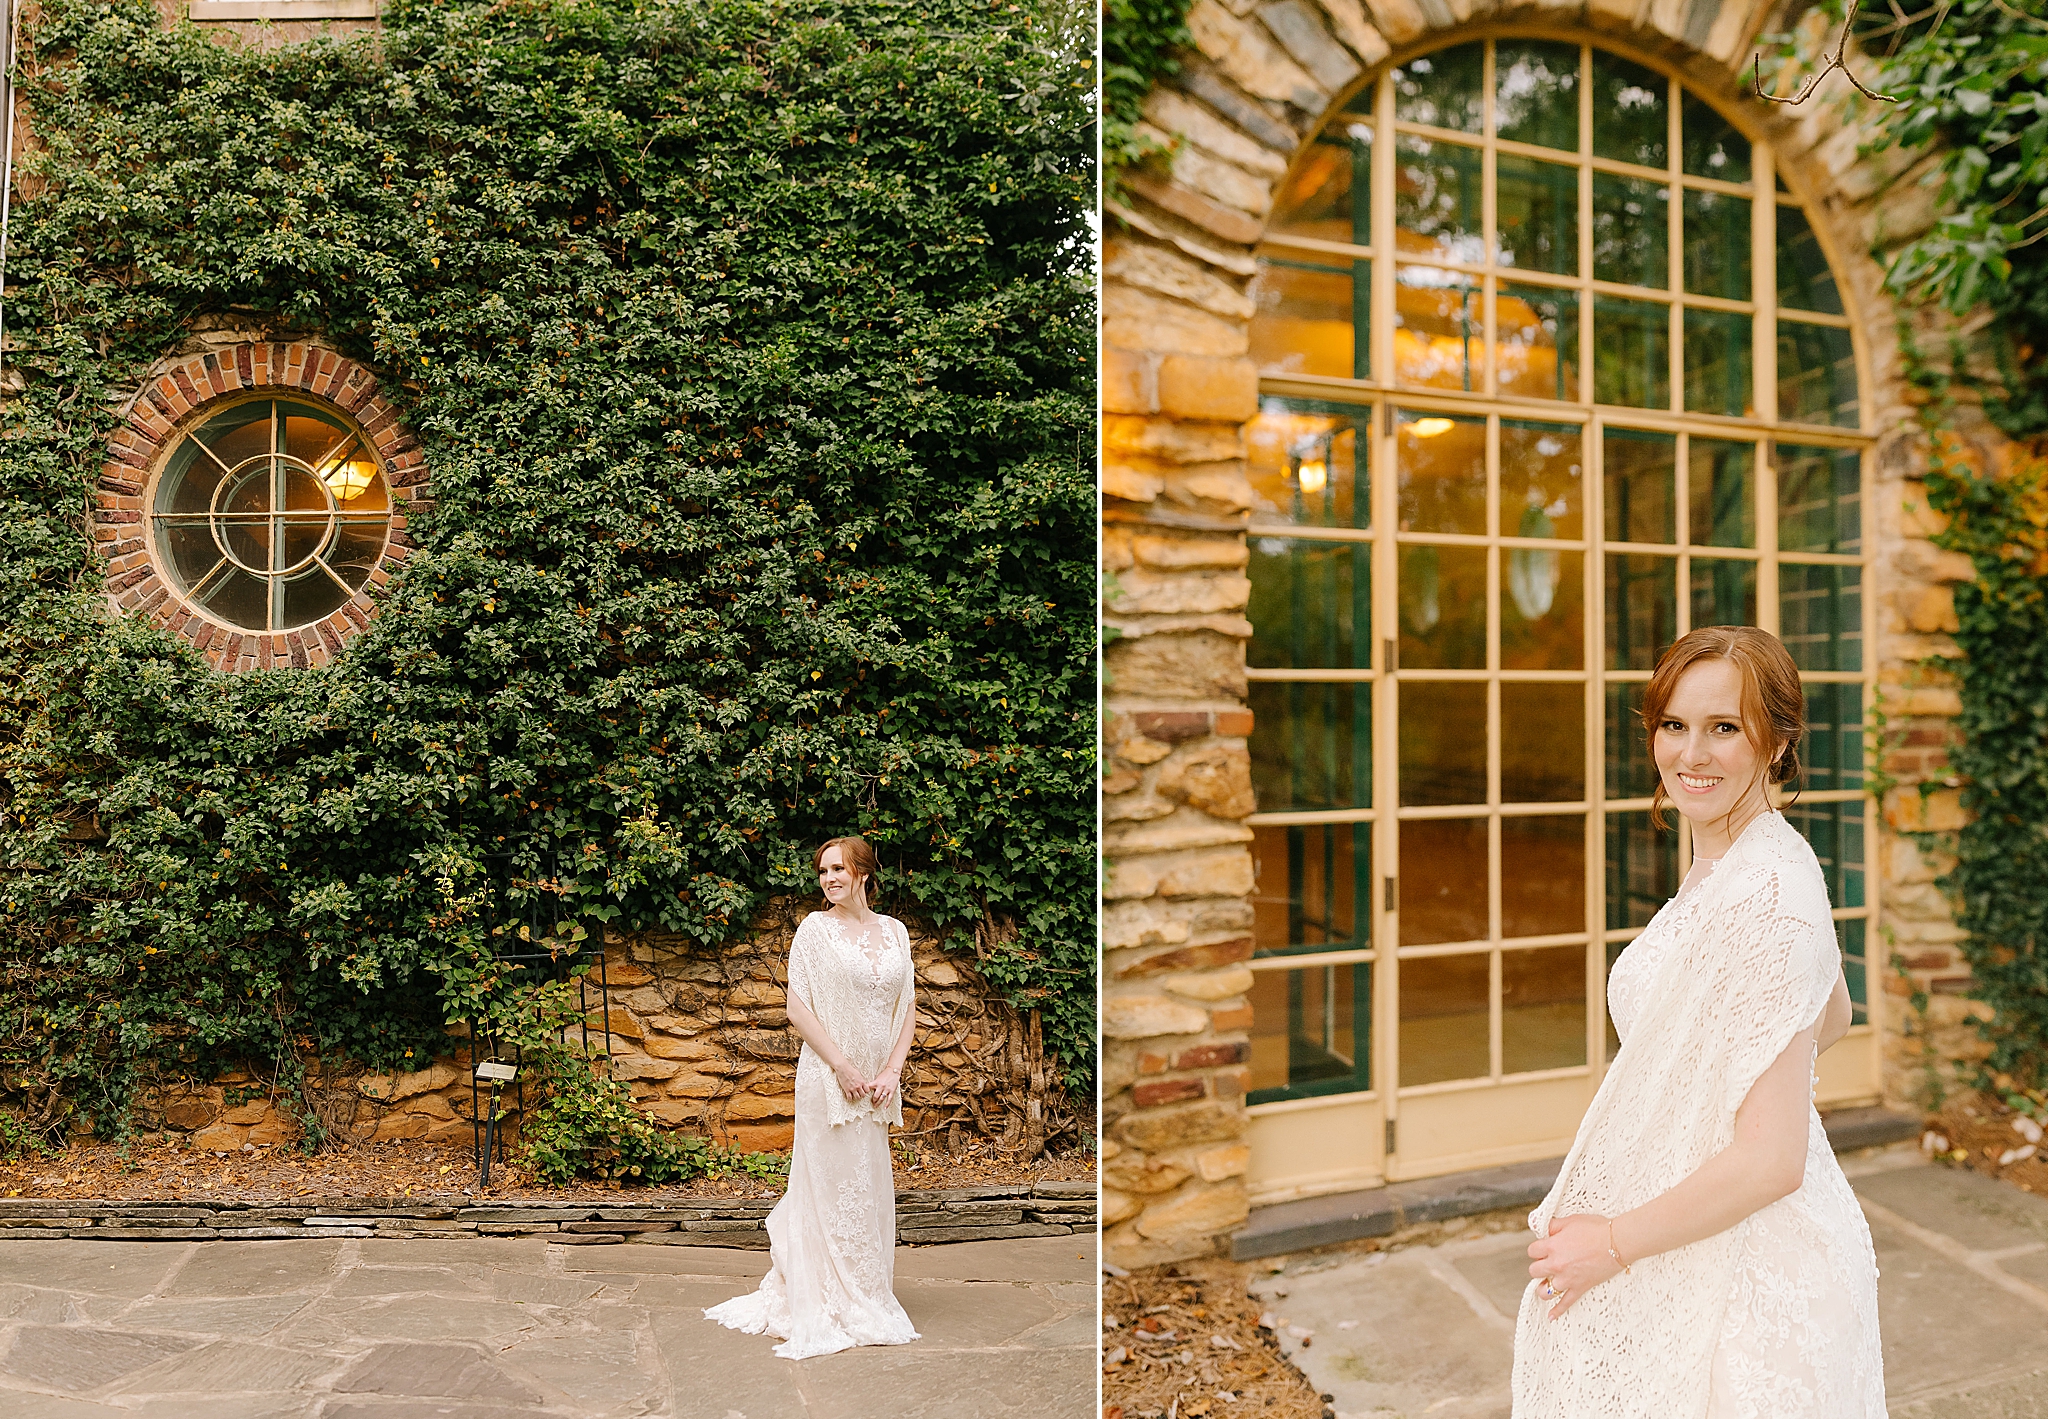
1430	428
1313	475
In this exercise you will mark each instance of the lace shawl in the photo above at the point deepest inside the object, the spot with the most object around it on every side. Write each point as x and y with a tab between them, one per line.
861	1003
1754	966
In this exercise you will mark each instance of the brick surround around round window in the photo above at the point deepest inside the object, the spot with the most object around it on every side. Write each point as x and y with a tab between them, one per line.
179	396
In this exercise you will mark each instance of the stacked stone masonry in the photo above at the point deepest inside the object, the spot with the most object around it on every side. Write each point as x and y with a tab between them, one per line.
174	397
1177	387
703	1040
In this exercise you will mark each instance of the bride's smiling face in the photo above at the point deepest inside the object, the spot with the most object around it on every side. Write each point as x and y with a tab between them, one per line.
1703	755
837	881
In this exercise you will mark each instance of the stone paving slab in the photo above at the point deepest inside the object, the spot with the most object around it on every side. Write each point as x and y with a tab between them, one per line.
374	1328
1962	1297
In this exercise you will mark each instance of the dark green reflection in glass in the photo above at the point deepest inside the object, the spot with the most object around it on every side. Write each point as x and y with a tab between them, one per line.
1442	743
1542	875
1640	475
1631	773
1443	608
1536	93
1542	480
1310	882
1541	727
1816	374
1805	281
1442	482
1717	362
1444	1018
1629	112
1723	592
1310	1032
1539	342
1543	1007
1709	144
1305	464
1542	609
1722	480
1631	231
1835	833
1437	198
1443	89
1820	499
1538	204
1631	353
1310	605
1614	950
1855	968
1717	241
1642	609
1311	746
1642	868
1820	615
1833	749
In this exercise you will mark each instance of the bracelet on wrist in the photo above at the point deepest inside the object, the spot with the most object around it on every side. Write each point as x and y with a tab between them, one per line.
1613	1253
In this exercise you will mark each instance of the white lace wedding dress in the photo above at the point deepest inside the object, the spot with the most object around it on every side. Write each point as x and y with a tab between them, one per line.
1776	1317
832	1237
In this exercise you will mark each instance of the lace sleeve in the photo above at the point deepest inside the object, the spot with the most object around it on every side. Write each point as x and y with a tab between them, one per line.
801	948
1771	949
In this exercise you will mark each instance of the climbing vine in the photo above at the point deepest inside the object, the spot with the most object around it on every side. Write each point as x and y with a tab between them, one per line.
750	345
1139	38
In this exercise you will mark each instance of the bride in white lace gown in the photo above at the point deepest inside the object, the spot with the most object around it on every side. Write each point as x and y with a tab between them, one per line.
832	1237
1701	1255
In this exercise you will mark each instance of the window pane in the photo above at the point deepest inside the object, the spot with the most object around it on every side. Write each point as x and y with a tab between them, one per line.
1642	609
1820	499
1711	146
1311	746
1631	772
1631	231
188	482
1855	968
189	550
312	435
1717	241
1640	480
239	599
1820	615
240	433
1438	329
1442	463
1310	883
1307	317
1723	592
1539	215
1542	610
1537	92
1835	832
1442	89
1306	600
1543	873
1642	868
1329	194
1444	1019
1805	281
1443	881
1443	743
1542	1009
1631	353
1614	950
1309	1031
309	597
1833	751
1542	486
1436	200
1722	493
1303	463
356	550
1443	608
1538	353
1816	375
1542	743
1629	113
1717	362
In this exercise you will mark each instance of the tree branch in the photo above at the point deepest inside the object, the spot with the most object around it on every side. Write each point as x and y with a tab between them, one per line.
1837	60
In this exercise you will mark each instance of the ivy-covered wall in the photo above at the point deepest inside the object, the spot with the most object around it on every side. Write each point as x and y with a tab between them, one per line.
749	345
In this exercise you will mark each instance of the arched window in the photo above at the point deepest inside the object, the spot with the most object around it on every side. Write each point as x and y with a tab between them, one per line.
1553	369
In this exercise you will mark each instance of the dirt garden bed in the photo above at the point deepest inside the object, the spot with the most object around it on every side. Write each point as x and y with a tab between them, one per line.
1185	1342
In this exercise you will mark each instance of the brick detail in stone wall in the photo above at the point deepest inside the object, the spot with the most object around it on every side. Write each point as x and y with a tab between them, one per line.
1177	386
181	392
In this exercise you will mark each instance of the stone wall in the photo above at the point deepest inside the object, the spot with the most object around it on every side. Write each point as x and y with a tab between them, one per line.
702	1038
1177	387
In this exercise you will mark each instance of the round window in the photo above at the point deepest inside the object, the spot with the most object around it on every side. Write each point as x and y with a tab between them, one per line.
271	514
